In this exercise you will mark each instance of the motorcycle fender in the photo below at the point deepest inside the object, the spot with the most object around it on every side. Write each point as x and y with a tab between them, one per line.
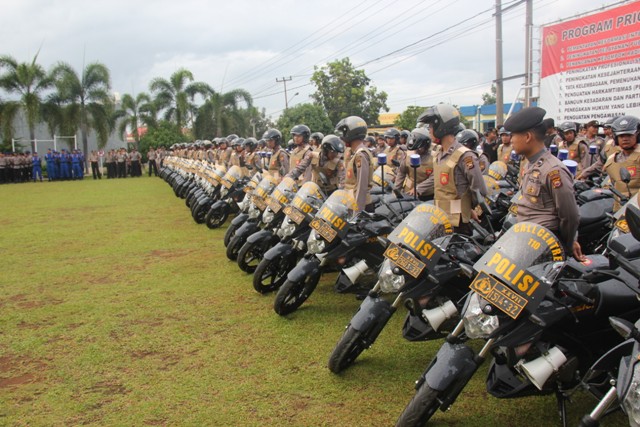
240	219
280	250
611	359
260	235
247	229
453	362
220	204
372	309
303	269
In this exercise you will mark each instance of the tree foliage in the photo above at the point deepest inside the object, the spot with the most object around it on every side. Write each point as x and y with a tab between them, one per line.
312	115
344	91
489	98
176	96
134	113
409	117
221	114
164	134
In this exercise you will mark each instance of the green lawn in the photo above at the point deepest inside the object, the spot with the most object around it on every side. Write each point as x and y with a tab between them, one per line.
117	309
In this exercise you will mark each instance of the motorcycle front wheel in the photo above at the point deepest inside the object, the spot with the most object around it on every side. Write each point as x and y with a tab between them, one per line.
270	274
228	235
234	247
351	345
424	404
216	217
250	255
292	294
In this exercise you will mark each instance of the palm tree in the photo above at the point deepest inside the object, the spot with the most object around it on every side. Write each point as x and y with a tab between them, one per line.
29	81
176	96
88	103
135	113
226	113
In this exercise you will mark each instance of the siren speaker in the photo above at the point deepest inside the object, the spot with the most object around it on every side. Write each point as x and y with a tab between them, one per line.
354	272
539	370
437	316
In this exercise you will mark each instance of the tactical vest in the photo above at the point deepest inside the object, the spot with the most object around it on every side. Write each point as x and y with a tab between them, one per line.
249	160
296	157
328	168
632	164
574	154
392	154
611	148
351	179
504	153
275	165
422	173
446	193
234	159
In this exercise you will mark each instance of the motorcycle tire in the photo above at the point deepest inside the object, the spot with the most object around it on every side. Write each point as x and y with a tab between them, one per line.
292	295
421	408
215	218
199	213
249	256
231	231
349	347
234	247
271	274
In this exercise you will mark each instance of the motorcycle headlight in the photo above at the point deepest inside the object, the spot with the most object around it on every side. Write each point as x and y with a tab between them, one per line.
389	281
223	192
287	228
253	212
476	323
299	244
631	401
315	244
268	216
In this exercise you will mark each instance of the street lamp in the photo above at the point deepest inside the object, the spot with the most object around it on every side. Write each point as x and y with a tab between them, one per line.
289	100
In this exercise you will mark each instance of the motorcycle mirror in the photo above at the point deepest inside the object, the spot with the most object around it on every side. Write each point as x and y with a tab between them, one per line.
466	270
384	242
625	176
632	215
622	327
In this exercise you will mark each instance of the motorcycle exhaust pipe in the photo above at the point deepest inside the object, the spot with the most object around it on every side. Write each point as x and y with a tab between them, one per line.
355	271
437	316
539	370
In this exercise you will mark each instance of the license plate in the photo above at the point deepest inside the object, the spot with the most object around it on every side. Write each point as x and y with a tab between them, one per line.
293	213
274	205
405	260
259	202
324	229
622	225
498	294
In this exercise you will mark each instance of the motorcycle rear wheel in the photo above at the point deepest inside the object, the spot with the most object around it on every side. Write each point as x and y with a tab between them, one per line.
421	408
270	274
292	295
351	345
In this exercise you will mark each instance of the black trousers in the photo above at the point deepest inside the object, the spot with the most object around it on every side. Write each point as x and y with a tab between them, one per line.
122	172
95	170
152	165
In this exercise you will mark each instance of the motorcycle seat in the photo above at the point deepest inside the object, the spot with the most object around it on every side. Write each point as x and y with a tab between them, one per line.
594	262
626	245
595	210
615	298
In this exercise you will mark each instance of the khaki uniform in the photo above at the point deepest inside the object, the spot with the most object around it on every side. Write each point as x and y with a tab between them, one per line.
359	176
483	162
248	160
279	163
504	153
224	156
631	162
579	152
457	175
424	175
234	159
300	163
334	170
395	153
608	149
547	197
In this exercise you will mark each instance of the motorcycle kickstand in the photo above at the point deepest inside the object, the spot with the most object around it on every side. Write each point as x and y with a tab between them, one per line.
562	400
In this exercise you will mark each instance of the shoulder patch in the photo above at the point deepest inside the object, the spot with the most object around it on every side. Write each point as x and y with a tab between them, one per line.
556	179
468	161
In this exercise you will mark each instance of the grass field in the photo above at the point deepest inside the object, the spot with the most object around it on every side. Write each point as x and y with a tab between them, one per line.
117	309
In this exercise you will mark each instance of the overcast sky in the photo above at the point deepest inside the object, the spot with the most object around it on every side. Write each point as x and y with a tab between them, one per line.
249	43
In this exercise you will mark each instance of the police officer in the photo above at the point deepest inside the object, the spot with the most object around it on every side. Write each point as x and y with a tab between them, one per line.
36	164
625	129
591	136
315	140
404	138
151	158
237	145
504	149
121	158
420	144
359	167
301	156
279	158
457	172
49	159
551	133
578	148
224	152
249	157
470	139
547	195
95	169
327	161
395	153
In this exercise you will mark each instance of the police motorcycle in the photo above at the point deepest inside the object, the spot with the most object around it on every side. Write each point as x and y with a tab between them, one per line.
264	235
422	270
294	231
338	240
542	318
226	201
257	207
210	192
614	379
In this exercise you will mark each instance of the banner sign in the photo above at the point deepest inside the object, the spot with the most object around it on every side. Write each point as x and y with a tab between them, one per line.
591	66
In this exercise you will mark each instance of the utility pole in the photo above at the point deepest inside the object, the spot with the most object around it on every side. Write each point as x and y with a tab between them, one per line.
285	80
528	53
499	82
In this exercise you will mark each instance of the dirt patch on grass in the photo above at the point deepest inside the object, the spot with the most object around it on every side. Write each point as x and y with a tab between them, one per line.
16	371
169	254
108	388
32	326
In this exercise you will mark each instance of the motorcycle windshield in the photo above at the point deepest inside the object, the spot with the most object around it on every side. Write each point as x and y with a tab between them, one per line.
332	219
517	271
420	236
218	173
253	183
389	177
282	194
493	188
305	203
263	190
620	225
498	170
233	174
